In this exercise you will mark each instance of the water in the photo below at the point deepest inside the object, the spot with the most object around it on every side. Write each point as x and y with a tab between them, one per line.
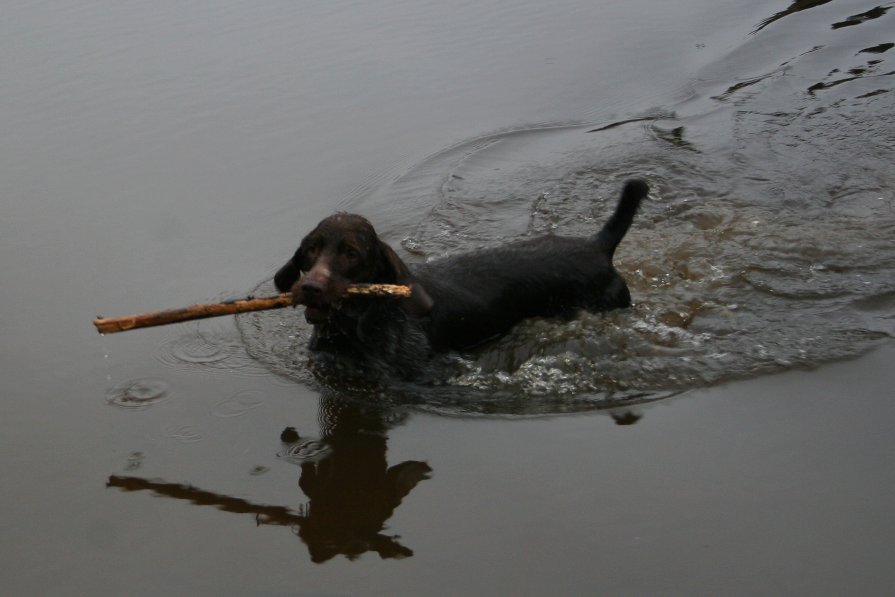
757	253
159	155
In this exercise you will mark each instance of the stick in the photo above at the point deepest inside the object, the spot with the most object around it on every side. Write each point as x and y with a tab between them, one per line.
111	325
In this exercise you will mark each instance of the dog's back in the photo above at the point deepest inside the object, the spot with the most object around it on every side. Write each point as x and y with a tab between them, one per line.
477	296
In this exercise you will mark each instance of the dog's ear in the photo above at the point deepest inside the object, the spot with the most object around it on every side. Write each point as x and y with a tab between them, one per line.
420	303
391	269
287	275
397	272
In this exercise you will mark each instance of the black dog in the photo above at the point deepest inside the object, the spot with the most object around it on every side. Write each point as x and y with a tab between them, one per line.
457	302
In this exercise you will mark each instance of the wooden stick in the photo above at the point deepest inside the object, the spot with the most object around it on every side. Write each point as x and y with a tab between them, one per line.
111	325
395	290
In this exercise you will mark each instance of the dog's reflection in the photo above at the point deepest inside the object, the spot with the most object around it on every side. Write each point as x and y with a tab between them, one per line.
351	490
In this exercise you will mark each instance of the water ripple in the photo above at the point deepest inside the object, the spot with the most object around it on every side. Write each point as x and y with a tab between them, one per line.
138	393
238	405
309	450
765	244
186	434
211	349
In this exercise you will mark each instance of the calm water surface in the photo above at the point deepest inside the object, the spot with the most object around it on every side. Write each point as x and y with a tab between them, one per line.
727	435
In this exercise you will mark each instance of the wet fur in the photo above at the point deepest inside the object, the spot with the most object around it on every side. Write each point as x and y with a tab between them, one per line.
458	302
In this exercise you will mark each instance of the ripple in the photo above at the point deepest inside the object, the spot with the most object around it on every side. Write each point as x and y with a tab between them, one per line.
197	350
138	393
186	434
212	349
309	450
238	405
278	339
134	461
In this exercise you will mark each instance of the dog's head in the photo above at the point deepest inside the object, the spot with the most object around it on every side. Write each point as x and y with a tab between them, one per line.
344	249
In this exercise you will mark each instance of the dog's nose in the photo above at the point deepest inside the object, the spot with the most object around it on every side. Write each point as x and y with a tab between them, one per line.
311	290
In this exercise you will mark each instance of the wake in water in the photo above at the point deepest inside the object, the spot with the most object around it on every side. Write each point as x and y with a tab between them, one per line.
766	243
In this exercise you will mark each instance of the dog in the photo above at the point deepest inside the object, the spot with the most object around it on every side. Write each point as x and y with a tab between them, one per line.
458	302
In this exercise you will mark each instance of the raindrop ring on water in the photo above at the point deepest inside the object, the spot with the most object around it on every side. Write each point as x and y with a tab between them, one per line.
138	393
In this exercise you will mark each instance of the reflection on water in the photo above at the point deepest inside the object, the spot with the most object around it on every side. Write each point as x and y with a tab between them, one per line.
351	489
873	13
800	5
797	6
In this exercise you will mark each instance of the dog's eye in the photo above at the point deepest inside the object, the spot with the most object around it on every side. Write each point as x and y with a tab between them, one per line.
350	253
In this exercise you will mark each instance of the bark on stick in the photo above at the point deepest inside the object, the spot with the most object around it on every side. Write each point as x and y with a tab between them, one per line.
111	325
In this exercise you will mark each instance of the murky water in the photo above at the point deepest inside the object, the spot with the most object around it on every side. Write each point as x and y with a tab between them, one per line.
722	436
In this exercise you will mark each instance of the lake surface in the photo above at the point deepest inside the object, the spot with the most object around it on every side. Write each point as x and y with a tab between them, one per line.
729	434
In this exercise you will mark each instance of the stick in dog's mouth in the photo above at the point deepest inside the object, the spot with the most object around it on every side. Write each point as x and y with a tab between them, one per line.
112	325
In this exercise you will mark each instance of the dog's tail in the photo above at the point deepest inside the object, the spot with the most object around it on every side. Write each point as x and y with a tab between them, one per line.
614	230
